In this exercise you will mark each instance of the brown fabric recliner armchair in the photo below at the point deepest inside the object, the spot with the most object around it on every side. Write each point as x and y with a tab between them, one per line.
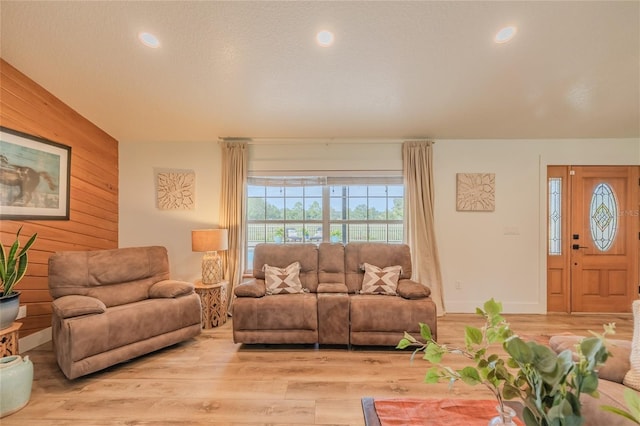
113	305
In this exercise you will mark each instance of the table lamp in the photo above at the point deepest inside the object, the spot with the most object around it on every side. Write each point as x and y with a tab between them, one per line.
210	241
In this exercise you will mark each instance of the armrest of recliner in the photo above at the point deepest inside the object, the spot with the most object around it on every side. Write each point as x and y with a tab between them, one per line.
76	305
251	287
169	289
412	290
614	368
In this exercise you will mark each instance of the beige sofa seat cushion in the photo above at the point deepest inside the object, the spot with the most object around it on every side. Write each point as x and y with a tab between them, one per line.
123	325
276	312
170	289
616	366
74	306
377	313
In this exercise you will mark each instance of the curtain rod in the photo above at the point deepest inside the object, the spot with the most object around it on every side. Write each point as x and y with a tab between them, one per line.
327	141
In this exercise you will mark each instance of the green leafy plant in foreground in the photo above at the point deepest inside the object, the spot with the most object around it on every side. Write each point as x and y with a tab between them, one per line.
548	384
13	263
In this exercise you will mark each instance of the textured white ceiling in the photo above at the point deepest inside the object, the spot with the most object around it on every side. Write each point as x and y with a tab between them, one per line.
396	70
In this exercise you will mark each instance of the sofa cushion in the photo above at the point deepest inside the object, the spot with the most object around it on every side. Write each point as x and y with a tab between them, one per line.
283	280
379	254
372	313
123	325
116	277
281	255
632	378
74	306
412	290
380	280
286	312
170	288
610	393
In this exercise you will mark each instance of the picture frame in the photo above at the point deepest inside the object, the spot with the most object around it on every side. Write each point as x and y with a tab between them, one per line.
34	177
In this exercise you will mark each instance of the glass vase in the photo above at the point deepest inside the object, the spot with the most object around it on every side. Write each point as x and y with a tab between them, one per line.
504	418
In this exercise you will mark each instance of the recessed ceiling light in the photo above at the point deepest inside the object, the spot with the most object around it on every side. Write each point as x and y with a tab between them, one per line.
149	40
325	38
505	34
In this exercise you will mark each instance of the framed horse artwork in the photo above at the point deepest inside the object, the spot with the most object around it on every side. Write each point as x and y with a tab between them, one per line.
34	177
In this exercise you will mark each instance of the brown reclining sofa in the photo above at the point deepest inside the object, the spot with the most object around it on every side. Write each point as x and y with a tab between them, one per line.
330	308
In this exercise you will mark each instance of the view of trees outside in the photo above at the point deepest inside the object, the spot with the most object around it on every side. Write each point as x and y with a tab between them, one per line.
295	214
384	202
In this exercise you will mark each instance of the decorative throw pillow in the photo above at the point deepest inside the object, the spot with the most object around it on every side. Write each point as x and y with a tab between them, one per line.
380	281
283	280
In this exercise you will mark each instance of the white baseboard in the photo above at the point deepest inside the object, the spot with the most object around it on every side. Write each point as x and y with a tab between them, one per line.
34	340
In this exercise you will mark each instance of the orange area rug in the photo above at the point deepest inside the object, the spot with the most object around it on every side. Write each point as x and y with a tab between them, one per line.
434	412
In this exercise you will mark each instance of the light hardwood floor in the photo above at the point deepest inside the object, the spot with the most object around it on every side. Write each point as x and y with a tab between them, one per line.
210	380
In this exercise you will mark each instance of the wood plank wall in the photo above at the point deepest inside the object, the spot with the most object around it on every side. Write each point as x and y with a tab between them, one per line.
93	222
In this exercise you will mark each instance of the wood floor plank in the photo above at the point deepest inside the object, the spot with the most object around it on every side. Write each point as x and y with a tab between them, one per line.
209	380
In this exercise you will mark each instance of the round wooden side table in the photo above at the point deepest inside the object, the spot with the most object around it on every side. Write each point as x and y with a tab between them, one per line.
9	340
214	303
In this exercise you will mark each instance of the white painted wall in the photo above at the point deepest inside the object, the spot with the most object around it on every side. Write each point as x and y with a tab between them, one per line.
142	223
331	155
478	249
473	246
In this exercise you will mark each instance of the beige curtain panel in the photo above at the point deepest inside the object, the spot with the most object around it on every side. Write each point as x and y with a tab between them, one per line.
233	209
419	229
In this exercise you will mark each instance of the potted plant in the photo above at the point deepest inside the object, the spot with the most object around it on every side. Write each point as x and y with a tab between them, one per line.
336	235
278	235
13	266
548	384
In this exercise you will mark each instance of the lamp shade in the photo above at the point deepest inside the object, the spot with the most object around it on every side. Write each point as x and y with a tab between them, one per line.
209	240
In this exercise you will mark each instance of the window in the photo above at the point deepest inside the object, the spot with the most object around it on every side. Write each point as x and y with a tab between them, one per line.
555	216
292	210
604	216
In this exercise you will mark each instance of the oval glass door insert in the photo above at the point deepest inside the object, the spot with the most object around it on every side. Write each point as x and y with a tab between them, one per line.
603	216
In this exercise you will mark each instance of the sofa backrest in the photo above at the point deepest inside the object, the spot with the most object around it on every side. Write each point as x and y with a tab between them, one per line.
115	277
377	254
282	255
331	263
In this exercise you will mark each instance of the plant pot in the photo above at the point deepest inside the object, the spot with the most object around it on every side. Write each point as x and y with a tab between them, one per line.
9	307
16	378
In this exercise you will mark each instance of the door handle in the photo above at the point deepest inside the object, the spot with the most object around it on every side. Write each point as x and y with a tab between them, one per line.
577	246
